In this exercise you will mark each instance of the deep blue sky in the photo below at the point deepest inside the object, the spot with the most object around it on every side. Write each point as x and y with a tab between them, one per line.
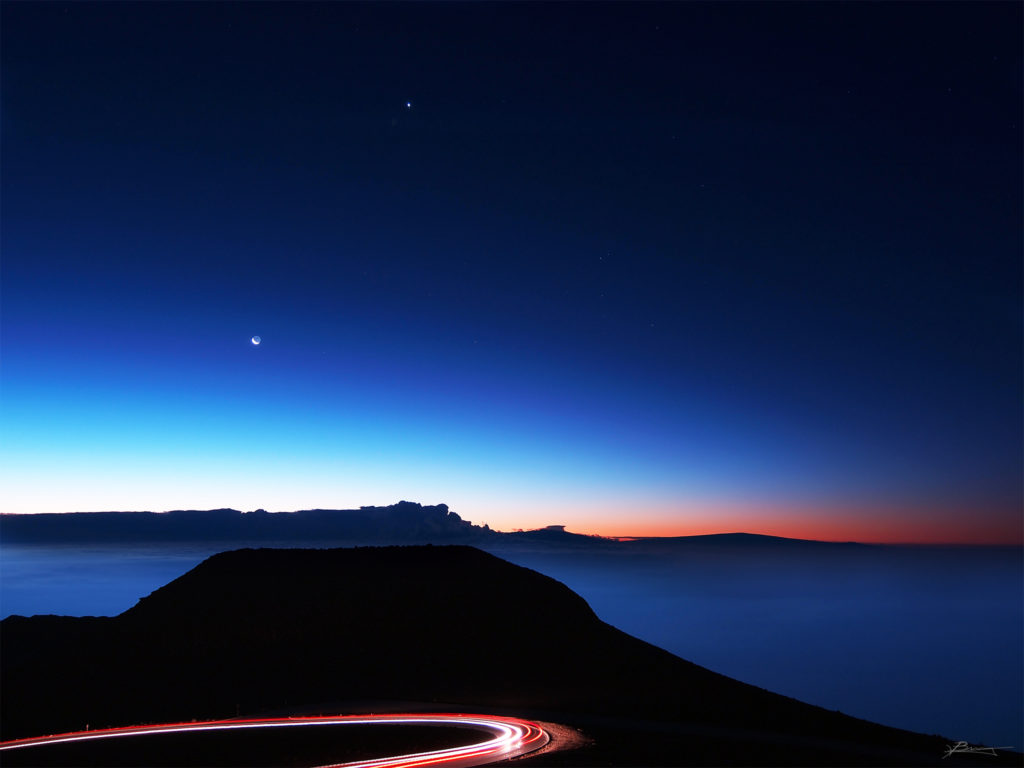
641	267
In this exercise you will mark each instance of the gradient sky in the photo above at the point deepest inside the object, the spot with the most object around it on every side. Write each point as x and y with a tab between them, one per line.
635	269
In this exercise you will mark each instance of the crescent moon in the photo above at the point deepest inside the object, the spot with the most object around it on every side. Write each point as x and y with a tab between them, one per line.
256	340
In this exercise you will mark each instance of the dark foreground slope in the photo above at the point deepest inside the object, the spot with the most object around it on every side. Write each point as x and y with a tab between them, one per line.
252	631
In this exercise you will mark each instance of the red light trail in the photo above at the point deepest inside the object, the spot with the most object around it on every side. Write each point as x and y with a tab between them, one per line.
509	737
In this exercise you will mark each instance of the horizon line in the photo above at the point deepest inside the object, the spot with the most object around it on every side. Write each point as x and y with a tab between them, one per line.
558	527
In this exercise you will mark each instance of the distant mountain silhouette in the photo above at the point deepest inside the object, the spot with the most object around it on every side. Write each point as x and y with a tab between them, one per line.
251	631
403	523
738	542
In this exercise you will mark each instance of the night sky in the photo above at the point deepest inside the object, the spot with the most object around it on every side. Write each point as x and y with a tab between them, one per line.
635	269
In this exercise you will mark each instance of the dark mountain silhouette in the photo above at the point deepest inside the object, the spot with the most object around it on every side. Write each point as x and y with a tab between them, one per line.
252	631
736	540
403	523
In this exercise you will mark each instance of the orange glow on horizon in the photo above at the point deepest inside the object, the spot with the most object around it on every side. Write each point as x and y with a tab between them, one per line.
882	524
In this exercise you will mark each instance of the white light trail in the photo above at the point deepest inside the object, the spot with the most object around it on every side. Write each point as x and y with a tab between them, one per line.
511	737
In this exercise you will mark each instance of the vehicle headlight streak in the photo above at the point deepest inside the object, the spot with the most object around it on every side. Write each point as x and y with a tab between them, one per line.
511	737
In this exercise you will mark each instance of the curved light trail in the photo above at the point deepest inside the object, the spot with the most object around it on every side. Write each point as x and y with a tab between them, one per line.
510	737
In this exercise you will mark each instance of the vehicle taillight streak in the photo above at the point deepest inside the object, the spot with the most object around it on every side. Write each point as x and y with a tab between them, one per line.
511	737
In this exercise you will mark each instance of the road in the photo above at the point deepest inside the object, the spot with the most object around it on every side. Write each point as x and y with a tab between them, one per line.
509	737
